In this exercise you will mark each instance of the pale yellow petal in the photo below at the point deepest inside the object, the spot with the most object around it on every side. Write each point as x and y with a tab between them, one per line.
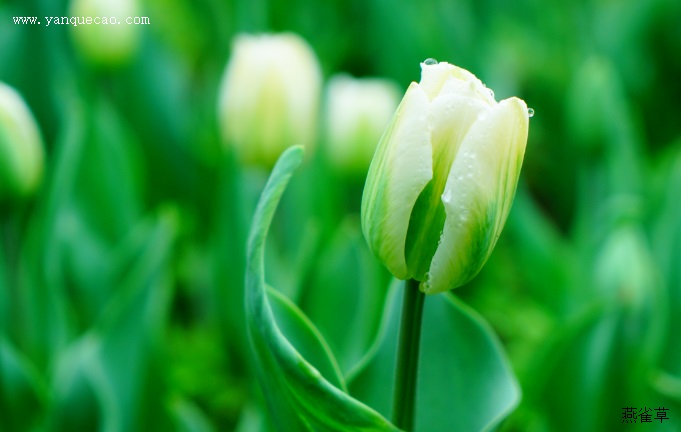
479	193
399	171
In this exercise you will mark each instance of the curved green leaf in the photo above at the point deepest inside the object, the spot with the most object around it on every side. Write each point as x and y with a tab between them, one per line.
303	335
347	278
465	381
298	396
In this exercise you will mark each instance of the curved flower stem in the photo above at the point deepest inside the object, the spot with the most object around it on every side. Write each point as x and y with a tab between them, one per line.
404	396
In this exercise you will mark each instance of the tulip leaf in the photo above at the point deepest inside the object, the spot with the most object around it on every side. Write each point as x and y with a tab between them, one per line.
347	278
303	335
464	380
4	294
598	364
91	200
105	378
298	395
189	417
22	392
667	241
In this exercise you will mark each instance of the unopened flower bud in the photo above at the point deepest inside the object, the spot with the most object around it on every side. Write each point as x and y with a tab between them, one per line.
105	31
21	147
269	96
442	181
357	113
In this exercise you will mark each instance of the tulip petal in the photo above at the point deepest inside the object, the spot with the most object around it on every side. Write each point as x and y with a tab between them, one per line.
451	117
478	194
401	168
444	79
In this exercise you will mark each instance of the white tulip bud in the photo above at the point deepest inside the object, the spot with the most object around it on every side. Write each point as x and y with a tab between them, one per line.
443	178
269	96
21	147
357	113
100	31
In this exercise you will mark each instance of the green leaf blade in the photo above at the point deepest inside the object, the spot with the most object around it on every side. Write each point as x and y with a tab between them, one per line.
299	397
465	381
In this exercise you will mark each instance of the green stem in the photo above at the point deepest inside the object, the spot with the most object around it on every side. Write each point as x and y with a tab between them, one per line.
404	397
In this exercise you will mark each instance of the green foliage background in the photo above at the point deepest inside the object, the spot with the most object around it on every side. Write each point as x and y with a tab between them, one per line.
122	280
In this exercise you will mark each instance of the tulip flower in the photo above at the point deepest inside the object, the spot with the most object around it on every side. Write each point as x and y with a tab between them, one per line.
269	96
357	113
21	147
442	181
104	31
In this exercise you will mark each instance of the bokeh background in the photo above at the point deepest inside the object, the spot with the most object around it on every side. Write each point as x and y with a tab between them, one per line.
121	277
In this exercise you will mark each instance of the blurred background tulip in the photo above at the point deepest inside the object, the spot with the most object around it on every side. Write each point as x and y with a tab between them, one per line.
21	146
357	113
269	96
105	33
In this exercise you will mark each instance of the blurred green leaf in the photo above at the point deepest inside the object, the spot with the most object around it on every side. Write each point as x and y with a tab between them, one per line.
253	419
91	202
539	253
298	396
595	362
188	417
605	358
666	239
234	198
465	381
347	278
108	375
22	392
4	295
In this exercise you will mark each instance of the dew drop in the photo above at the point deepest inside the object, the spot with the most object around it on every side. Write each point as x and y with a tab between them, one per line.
491	92
530	112
430	61
447	196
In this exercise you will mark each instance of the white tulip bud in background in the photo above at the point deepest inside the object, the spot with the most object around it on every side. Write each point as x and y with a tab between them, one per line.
357	112
443	178
269	96
104	42
21	147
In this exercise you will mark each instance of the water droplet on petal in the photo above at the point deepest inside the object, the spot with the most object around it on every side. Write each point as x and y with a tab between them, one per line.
530	112
447	196
430	61
491	92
